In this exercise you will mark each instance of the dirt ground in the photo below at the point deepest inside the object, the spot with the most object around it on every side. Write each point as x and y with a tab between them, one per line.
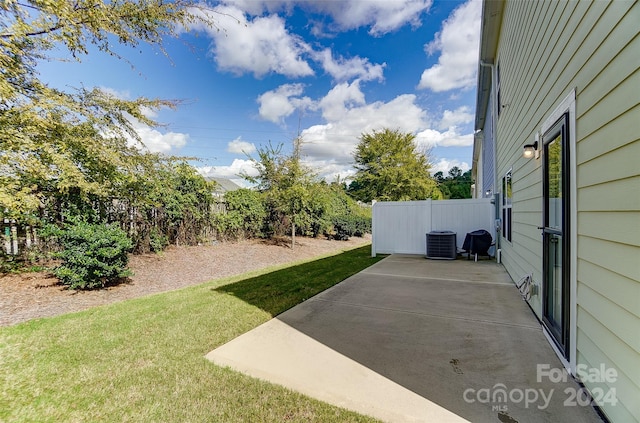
32	295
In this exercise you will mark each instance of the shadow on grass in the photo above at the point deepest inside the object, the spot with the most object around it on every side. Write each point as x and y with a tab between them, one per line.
280	290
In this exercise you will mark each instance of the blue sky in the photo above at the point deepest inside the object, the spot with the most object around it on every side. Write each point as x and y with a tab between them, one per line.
329	70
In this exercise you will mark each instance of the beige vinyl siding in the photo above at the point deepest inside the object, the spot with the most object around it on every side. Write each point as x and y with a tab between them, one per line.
617	133
619	162
591	355
546	49
618	321
621	259
621	99
617	226
619	289
523	74
610	196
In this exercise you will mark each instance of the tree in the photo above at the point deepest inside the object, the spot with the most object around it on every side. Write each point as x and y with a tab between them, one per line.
390	168
439	177
286	183
76	140
455	186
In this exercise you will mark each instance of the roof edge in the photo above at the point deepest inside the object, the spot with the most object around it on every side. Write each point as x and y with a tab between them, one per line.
490	31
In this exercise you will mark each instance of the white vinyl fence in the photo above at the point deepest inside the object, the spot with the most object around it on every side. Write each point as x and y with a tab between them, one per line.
401	226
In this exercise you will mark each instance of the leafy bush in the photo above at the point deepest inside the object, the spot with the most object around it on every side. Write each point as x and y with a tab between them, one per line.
244	217
8	263
31	259
92	255
228	225
346	217
182	199
157	241
348	225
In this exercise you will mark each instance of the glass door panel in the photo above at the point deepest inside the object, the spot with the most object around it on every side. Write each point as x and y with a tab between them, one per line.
555	276
554	310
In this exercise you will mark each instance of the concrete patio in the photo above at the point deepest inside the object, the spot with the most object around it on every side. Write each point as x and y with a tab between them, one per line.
415	340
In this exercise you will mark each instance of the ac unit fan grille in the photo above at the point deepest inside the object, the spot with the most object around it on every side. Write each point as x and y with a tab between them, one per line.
442	245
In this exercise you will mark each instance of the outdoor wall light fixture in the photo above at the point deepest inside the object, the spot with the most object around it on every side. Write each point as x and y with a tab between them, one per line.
531	150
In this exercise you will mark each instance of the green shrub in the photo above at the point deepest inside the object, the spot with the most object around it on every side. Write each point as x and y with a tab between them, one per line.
245	215
29	260
92	255
347	218
348	225
157	241
228	225
9	263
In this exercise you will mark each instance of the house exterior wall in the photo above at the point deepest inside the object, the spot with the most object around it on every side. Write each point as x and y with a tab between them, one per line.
487	152
483	155
477	167
546	51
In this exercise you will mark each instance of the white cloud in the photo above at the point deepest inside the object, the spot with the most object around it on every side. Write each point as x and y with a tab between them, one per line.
460	116
260	45
382	16
259	7
149	113
450	138
238	146
348	116
340	99
342	69
328	148
458	44
122	94
331	170
318	28
237	167
444	165
275	105
151	139
157	142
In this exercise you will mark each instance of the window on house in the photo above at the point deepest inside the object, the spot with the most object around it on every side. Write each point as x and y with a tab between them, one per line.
506	206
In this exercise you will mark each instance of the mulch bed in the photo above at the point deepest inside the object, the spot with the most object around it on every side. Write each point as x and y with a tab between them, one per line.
32	295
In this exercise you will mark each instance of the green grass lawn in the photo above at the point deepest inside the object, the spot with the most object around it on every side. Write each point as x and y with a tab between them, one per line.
142	360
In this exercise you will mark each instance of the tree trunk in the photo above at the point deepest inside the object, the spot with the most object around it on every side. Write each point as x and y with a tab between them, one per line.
293	235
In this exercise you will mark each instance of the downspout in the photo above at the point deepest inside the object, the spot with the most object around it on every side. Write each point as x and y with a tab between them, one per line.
494	123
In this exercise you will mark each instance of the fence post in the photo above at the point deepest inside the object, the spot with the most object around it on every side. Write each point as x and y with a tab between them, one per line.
14	236
373	232
27	235
7	237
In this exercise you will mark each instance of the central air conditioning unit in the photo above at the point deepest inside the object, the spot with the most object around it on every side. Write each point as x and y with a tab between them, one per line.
442	245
